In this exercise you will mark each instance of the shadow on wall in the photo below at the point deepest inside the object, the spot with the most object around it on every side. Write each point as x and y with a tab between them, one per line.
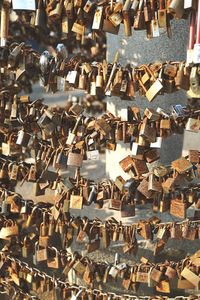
137	49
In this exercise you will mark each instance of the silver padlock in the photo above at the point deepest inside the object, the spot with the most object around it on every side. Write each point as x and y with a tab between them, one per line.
113	271
162	112
178	111
23	138
75	296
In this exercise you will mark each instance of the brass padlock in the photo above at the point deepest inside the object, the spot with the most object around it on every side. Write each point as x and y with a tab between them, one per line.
14	108
107	24
76	201
27	247
115	18
92	86
78	29
10	228
13	170
139	21
99	78
178	208
170	272
55	13
190	276
162	15
4	171
82	79
54	262
143	189
127	163
145	230
127	208
140	167
74	159
147	11
156	275
142	274
105	236
181	165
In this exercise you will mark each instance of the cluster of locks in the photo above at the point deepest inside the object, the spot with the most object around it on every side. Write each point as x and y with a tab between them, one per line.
21	65
38	142
104	16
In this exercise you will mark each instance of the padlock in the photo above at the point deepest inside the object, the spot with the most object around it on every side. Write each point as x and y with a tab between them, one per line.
99	78
23	138
82	80
74	159
119	182
154	184
190	276
134	5
56	12
127	209
194	83
76	201
10	228
14	55
13	170
98	18
54	262
147	11
156	275
193	125
145	230
102	126
40	16
79	29
14	108
178	208
115	18
155	25
92	196
72	135
177	7
69	9
93	89
142	274
162	15
139	21
143	189
170	272
140	167
26	248
182	79
4	171
107	24
181	165
155	88
40	254
4	22
194	156
127	163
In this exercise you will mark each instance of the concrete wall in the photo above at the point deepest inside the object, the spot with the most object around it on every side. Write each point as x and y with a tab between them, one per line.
137	50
